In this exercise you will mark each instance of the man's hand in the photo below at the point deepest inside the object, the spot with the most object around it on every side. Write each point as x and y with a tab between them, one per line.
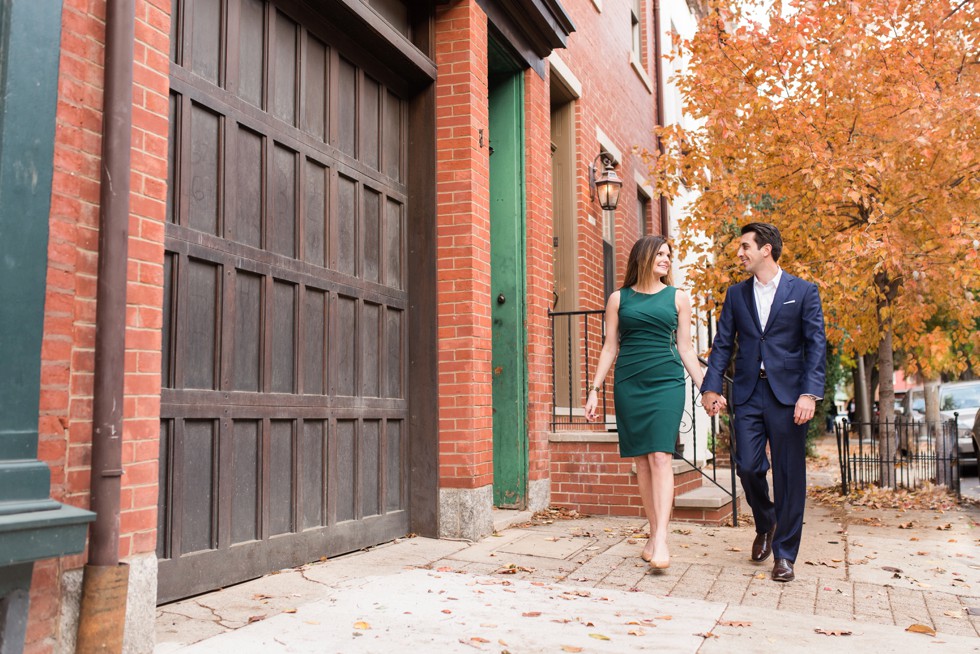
805	406
713	403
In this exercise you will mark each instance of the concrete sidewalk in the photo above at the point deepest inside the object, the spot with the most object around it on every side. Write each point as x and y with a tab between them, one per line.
863	578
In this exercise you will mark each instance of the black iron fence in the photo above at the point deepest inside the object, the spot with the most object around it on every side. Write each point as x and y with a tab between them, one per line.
902	454
576	342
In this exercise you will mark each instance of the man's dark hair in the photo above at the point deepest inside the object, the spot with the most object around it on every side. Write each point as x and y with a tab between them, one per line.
766	234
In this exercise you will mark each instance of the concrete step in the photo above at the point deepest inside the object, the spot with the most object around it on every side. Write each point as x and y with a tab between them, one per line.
707	503
706	497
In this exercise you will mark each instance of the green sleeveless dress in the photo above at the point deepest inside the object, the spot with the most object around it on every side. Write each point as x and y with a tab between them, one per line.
649	379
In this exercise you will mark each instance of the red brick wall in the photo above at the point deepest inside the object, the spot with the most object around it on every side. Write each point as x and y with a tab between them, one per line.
69	328
540	275
616	100
593	479
463	243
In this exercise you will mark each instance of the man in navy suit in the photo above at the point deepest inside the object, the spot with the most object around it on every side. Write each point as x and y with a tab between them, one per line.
776	322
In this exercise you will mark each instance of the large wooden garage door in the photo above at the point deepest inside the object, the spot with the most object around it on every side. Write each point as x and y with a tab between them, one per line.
284	411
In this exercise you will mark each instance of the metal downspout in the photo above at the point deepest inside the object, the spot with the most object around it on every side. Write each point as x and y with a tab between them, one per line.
105	584
659	75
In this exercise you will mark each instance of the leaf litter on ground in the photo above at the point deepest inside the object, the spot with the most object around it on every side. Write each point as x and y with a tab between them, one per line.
927	497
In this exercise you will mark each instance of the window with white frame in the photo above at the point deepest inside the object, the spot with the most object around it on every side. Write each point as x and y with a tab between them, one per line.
637	32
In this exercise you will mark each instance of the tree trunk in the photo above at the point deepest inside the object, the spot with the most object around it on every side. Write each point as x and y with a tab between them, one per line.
931	393
943	439
887	441
862	401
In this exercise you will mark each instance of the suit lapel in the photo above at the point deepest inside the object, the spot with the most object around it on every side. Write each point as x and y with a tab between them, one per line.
748	293
782	294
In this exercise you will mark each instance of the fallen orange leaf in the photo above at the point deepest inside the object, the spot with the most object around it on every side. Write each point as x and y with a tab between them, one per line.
921	629
833	632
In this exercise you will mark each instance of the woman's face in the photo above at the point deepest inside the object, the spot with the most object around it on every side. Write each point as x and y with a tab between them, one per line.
661	261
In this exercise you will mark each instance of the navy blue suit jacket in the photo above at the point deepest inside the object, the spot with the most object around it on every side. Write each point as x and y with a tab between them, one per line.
793	345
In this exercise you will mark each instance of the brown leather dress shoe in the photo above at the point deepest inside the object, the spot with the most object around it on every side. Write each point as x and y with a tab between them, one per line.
762	545
783	570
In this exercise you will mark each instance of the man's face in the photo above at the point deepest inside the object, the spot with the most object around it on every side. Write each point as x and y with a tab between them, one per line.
749	253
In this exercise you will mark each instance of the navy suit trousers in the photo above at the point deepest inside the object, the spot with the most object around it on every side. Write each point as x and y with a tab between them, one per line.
765	420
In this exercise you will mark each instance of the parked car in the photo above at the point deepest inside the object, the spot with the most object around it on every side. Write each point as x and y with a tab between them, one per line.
960	399
976	438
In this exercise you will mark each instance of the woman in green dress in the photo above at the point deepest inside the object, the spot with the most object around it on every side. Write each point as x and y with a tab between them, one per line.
648	336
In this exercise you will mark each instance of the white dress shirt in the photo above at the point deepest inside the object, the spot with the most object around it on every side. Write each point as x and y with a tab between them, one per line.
764	295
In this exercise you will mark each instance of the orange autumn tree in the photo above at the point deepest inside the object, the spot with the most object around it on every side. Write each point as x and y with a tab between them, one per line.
854	126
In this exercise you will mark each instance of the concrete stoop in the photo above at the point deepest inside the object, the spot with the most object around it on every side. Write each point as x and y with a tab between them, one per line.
700	500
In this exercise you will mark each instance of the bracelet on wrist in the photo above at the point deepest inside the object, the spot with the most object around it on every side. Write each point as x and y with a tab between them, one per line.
594	388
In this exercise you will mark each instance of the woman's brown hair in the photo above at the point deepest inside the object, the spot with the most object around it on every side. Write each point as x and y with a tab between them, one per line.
640	262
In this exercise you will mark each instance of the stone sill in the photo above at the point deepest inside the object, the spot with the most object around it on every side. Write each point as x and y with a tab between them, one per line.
35	535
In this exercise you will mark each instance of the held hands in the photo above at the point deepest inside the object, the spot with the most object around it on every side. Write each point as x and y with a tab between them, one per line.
590	405
805	406
713	403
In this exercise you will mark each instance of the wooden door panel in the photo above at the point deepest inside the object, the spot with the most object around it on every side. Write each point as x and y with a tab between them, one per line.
283	335
198	329
203	169
394	455
370	332
284	80
315	236
280	481
369	123
312	473
347	111
246	186
204	45
393	356
251	53
371	236
368	467
197	484
346	221
246	449
284	412
314	342
247	343
344	468
392	137
394	240
508	293
344	342
316	88
282	230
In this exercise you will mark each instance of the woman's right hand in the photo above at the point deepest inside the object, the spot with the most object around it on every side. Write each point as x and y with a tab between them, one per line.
590	405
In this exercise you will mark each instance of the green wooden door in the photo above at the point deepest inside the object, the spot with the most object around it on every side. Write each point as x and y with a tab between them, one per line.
507	282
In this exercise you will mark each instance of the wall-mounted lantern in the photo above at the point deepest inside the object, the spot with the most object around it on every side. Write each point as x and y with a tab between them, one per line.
607	185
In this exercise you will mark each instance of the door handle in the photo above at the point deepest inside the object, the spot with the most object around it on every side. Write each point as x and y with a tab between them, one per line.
501	299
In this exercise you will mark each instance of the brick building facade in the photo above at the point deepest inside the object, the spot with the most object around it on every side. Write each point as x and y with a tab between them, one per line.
453	144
